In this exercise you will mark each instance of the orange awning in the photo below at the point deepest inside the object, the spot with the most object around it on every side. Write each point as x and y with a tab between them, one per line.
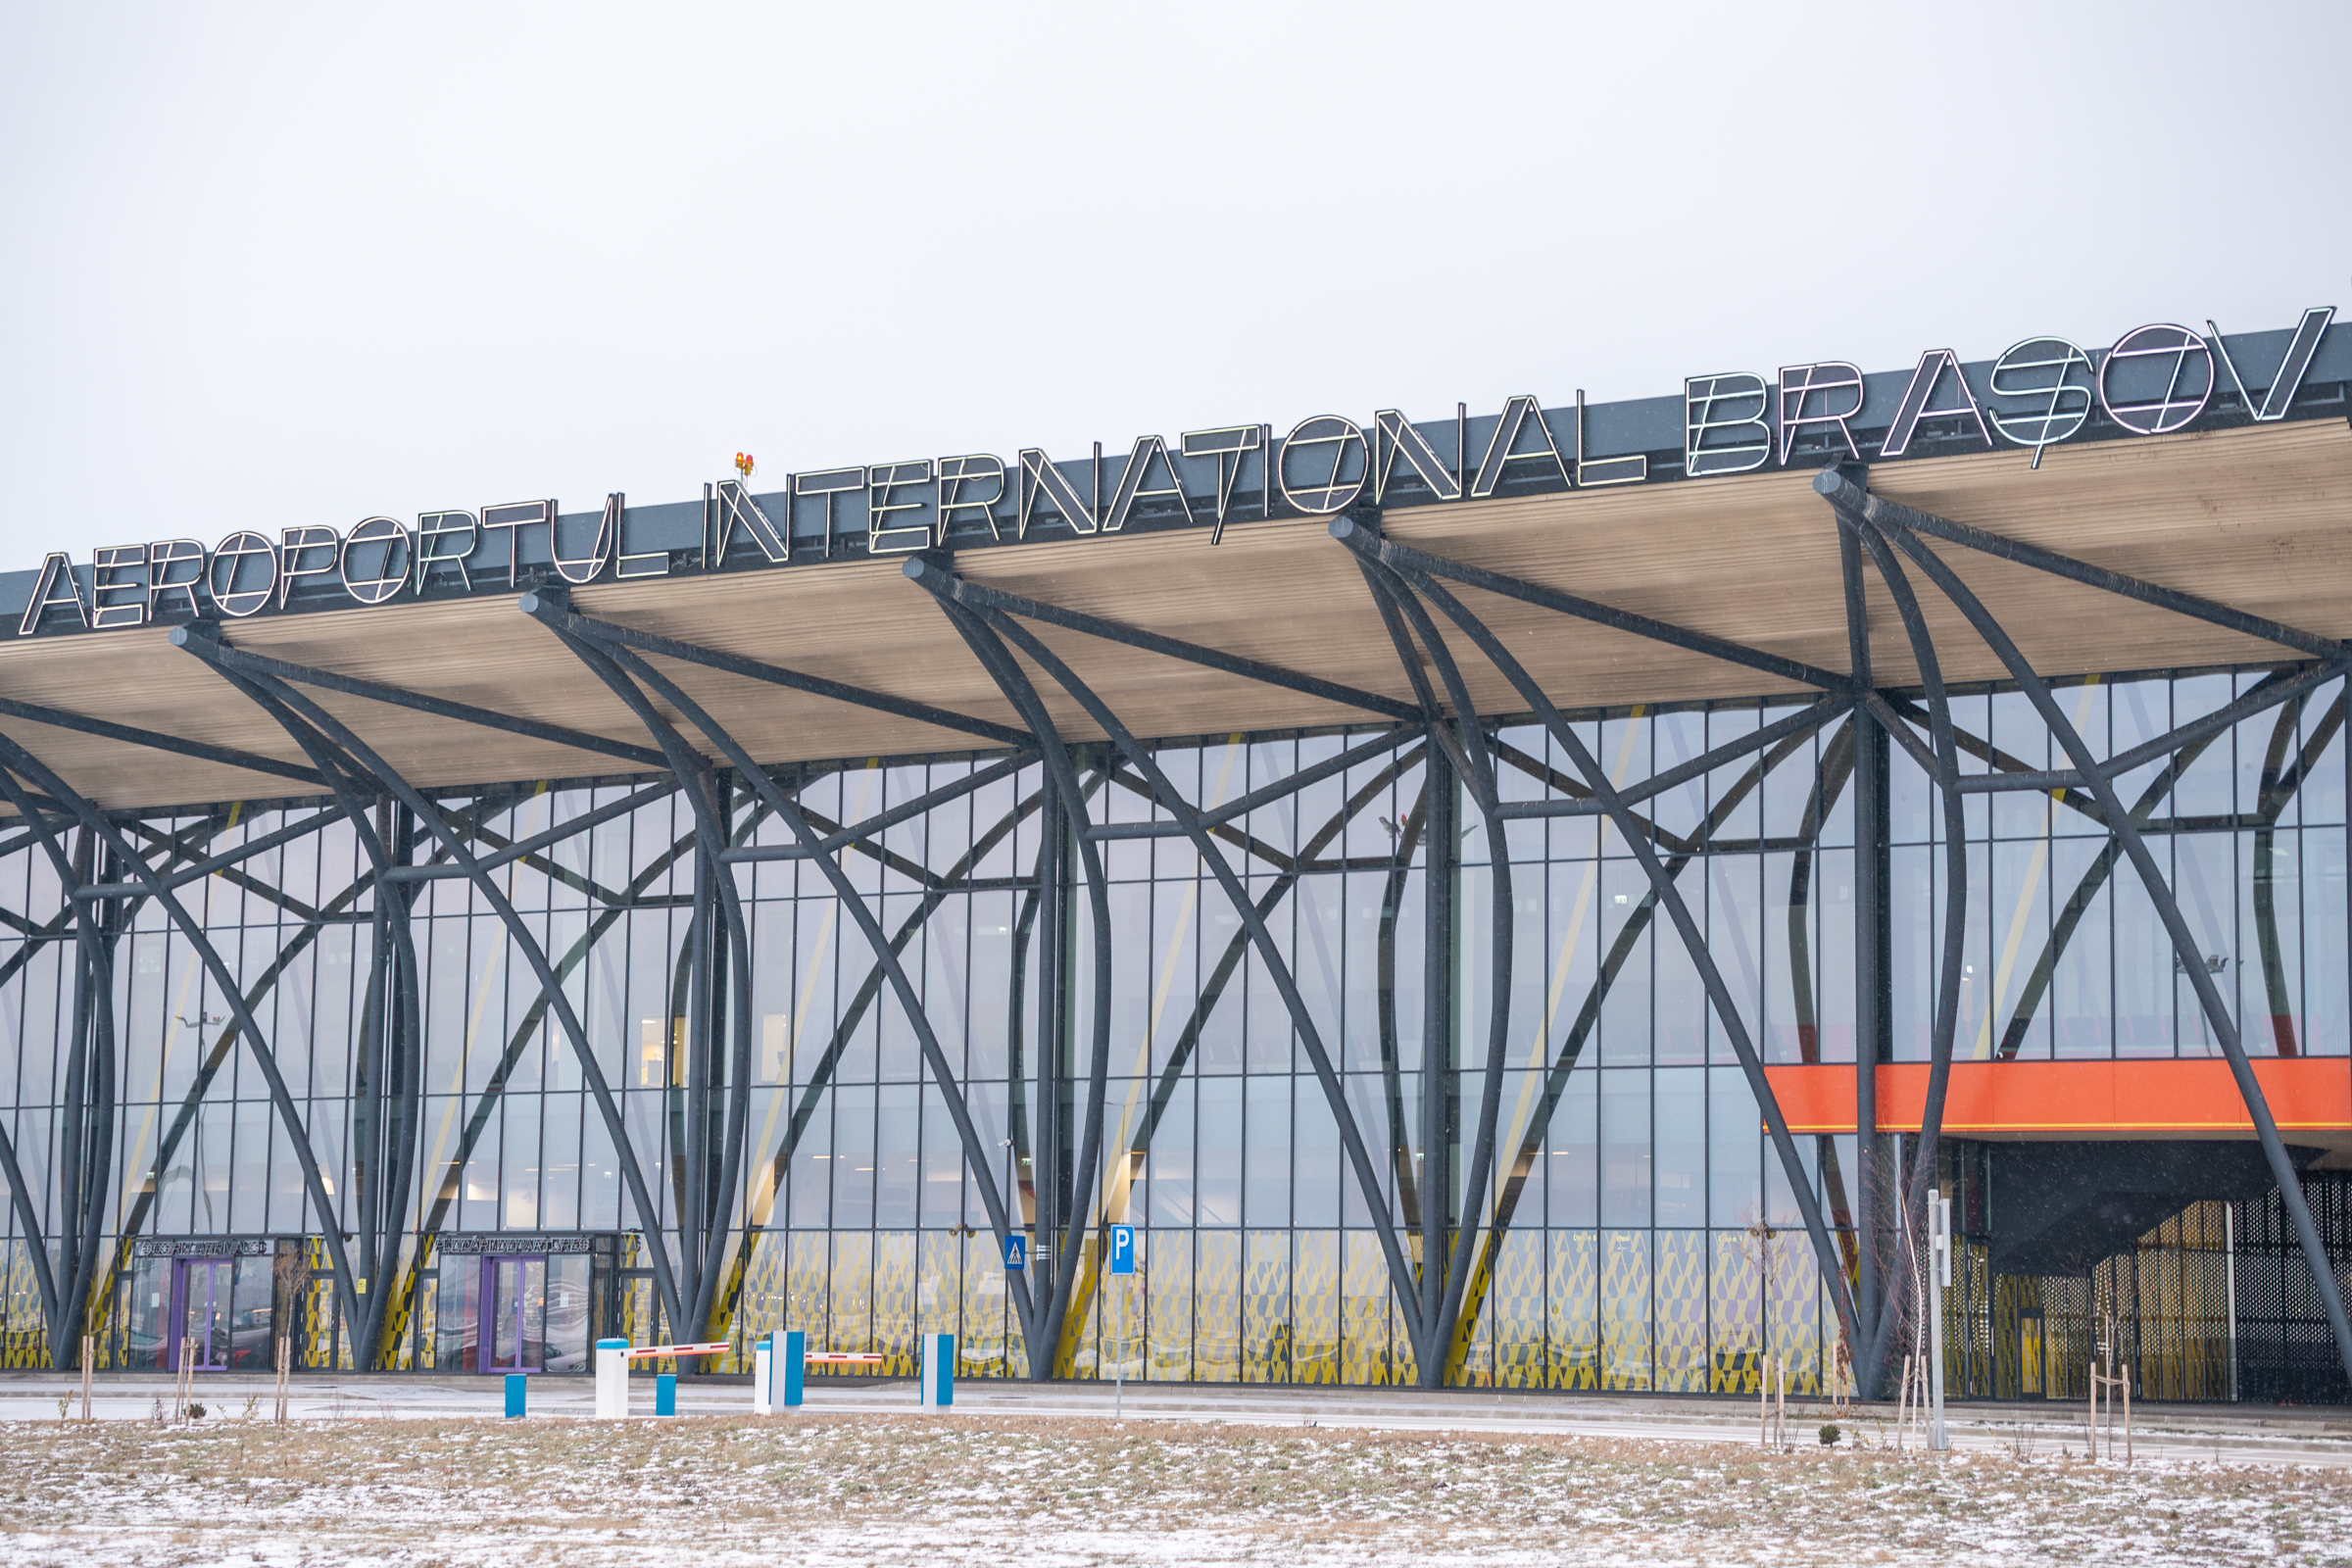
2305	1095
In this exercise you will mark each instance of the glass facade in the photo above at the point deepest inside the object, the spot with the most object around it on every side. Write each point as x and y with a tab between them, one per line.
1637	1232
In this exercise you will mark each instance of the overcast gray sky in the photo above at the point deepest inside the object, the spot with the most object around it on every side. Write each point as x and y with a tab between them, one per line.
266	265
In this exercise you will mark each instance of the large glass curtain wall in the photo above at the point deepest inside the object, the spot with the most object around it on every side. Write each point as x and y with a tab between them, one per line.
1638	1233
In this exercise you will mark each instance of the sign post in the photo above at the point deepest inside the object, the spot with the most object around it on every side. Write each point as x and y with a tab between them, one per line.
1939	1278
1122	1265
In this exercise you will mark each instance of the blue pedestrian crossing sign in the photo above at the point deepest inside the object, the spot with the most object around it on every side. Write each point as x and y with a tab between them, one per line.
1017	1251
1122	1249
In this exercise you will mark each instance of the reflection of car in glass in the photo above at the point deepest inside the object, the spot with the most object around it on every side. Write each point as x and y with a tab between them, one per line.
249	1331
142	1345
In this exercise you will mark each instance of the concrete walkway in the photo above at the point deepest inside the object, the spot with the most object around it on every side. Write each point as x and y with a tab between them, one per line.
2231	1435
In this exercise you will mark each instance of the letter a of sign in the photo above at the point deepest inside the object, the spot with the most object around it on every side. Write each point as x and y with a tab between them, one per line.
57	586
1920	392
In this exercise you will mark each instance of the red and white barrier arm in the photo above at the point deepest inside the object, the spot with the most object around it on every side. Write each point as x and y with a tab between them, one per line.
657	1352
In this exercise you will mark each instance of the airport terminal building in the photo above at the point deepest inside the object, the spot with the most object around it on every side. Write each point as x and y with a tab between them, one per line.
1532	897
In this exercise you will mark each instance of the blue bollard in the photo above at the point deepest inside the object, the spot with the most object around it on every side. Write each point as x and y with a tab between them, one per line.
796	1366
515	1384
666	1394
939	1371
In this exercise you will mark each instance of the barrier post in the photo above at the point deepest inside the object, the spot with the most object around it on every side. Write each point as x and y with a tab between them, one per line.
516	1384
939	1371
612	1380
796	1366
763	1370
666	1394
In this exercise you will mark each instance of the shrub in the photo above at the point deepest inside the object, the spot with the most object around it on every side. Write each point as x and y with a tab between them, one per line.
1829	1434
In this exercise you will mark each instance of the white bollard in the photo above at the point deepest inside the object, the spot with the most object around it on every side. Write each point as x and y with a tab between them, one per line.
612	1380
764	1392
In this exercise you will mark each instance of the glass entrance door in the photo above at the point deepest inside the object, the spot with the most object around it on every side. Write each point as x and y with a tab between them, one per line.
201	1297
513	1298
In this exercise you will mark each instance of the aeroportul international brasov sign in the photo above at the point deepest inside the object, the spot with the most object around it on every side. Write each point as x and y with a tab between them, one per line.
2042	392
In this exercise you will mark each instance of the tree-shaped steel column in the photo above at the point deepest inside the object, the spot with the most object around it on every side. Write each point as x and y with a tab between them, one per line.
384	1197
625	670
1901	526
273	676
707	1217
16	760
1465	741
984	624
1357	536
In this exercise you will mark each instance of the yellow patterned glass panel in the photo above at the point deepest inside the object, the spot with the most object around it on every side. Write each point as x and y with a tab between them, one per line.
894	1302
808	1307
1366	1353
1267	1331
1217	1301
761	1310
1682	1311
989	1344
1625	1310
1794	1310
851	1322
1167	1332
1315	1303
1516	1307
935	1284
1572	1310
1736	1313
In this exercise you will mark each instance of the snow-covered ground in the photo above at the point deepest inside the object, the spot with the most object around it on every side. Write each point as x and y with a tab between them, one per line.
379	1472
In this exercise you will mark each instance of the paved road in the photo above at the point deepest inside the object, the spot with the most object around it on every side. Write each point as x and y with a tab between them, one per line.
2255	1436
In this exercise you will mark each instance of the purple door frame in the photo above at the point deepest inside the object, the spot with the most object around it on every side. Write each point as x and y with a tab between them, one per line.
216	1291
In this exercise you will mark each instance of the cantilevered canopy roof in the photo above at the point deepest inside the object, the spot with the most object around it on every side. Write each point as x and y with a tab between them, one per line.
2259	519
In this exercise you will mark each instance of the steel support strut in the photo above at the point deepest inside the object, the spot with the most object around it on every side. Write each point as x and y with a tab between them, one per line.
1895	527
988	624
58	1308
1444	763
1495	582
626	670
533	951
1370	546
88	1142
14	760
1871	858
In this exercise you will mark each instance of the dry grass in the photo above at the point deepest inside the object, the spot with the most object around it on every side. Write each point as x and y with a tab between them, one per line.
989	1489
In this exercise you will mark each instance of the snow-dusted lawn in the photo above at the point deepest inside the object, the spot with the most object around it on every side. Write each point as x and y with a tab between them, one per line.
983	1489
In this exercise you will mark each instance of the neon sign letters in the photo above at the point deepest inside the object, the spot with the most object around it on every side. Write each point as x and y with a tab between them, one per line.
2039	393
